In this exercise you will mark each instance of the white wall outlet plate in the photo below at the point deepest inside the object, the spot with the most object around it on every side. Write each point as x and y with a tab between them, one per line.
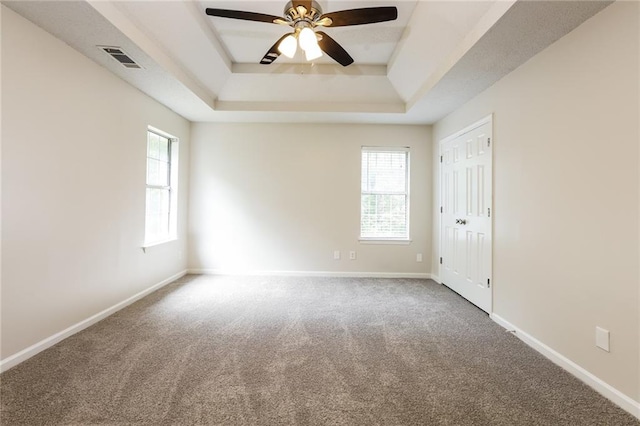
336	255
602	338
352	255
419	257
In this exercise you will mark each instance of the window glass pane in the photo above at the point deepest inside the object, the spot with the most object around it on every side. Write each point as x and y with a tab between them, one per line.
163	148
157	172
153	145
163	173
365	171
384	171
157	214
152	171
384	216
159	219
384	195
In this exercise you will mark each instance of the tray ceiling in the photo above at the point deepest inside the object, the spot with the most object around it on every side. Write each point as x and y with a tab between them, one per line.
416	69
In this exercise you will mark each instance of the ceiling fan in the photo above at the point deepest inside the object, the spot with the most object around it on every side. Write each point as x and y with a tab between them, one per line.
304	16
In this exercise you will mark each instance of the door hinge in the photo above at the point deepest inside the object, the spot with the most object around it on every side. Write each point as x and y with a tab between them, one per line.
441	261
488	283
489	212
441	209
441	158
488	141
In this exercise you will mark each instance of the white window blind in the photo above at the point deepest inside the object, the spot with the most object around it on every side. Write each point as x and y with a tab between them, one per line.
160	198
385	194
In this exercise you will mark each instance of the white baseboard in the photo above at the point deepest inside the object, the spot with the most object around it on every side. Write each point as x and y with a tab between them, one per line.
435	278
32	350
605	389
313	273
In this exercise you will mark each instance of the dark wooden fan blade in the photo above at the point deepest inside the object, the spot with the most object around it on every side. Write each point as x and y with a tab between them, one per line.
367	15
273	53
333	49
239	14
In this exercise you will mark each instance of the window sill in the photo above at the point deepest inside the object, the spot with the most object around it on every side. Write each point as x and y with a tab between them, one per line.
383	241
146	246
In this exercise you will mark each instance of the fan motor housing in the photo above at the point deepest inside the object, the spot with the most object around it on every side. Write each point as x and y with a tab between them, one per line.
310	16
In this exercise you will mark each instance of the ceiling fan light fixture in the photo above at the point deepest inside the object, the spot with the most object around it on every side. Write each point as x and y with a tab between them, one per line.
288	46
307	39
313	53
305	15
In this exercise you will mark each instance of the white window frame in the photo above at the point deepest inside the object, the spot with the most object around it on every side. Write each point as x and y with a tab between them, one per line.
388	240
172	187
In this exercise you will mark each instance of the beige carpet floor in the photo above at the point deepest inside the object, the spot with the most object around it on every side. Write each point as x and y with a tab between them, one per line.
298	351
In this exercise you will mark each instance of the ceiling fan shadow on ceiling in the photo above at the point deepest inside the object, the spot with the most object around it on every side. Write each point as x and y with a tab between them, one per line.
304	16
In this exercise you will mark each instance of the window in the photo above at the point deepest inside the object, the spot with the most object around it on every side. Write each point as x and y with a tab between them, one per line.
384	201
160	214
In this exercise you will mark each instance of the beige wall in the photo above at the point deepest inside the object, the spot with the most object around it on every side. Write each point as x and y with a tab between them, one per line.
73	187
566	187
283	197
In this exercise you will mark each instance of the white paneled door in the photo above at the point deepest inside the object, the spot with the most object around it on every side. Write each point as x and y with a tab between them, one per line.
465	223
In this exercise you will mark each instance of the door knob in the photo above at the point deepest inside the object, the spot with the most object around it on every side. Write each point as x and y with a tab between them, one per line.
461	221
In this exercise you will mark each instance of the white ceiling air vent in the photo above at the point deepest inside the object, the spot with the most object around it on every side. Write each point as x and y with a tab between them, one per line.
119	55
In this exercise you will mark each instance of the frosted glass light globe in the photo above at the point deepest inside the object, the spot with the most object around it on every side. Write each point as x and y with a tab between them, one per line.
307	39
313	53
288	46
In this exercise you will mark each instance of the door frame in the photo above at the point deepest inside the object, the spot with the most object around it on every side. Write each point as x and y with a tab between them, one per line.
466	129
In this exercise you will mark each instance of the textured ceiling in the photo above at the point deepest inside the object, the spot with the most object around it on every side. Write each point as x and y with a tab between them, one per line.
417	69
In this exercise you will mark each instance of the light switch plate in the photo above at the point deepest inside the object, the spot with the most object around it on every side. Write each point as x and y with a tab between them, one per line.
602	338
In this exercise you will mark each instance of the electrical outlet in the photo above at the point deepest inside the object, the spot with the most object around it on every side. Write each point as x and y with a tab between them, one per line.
419	257
336	255
352	255
602	338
